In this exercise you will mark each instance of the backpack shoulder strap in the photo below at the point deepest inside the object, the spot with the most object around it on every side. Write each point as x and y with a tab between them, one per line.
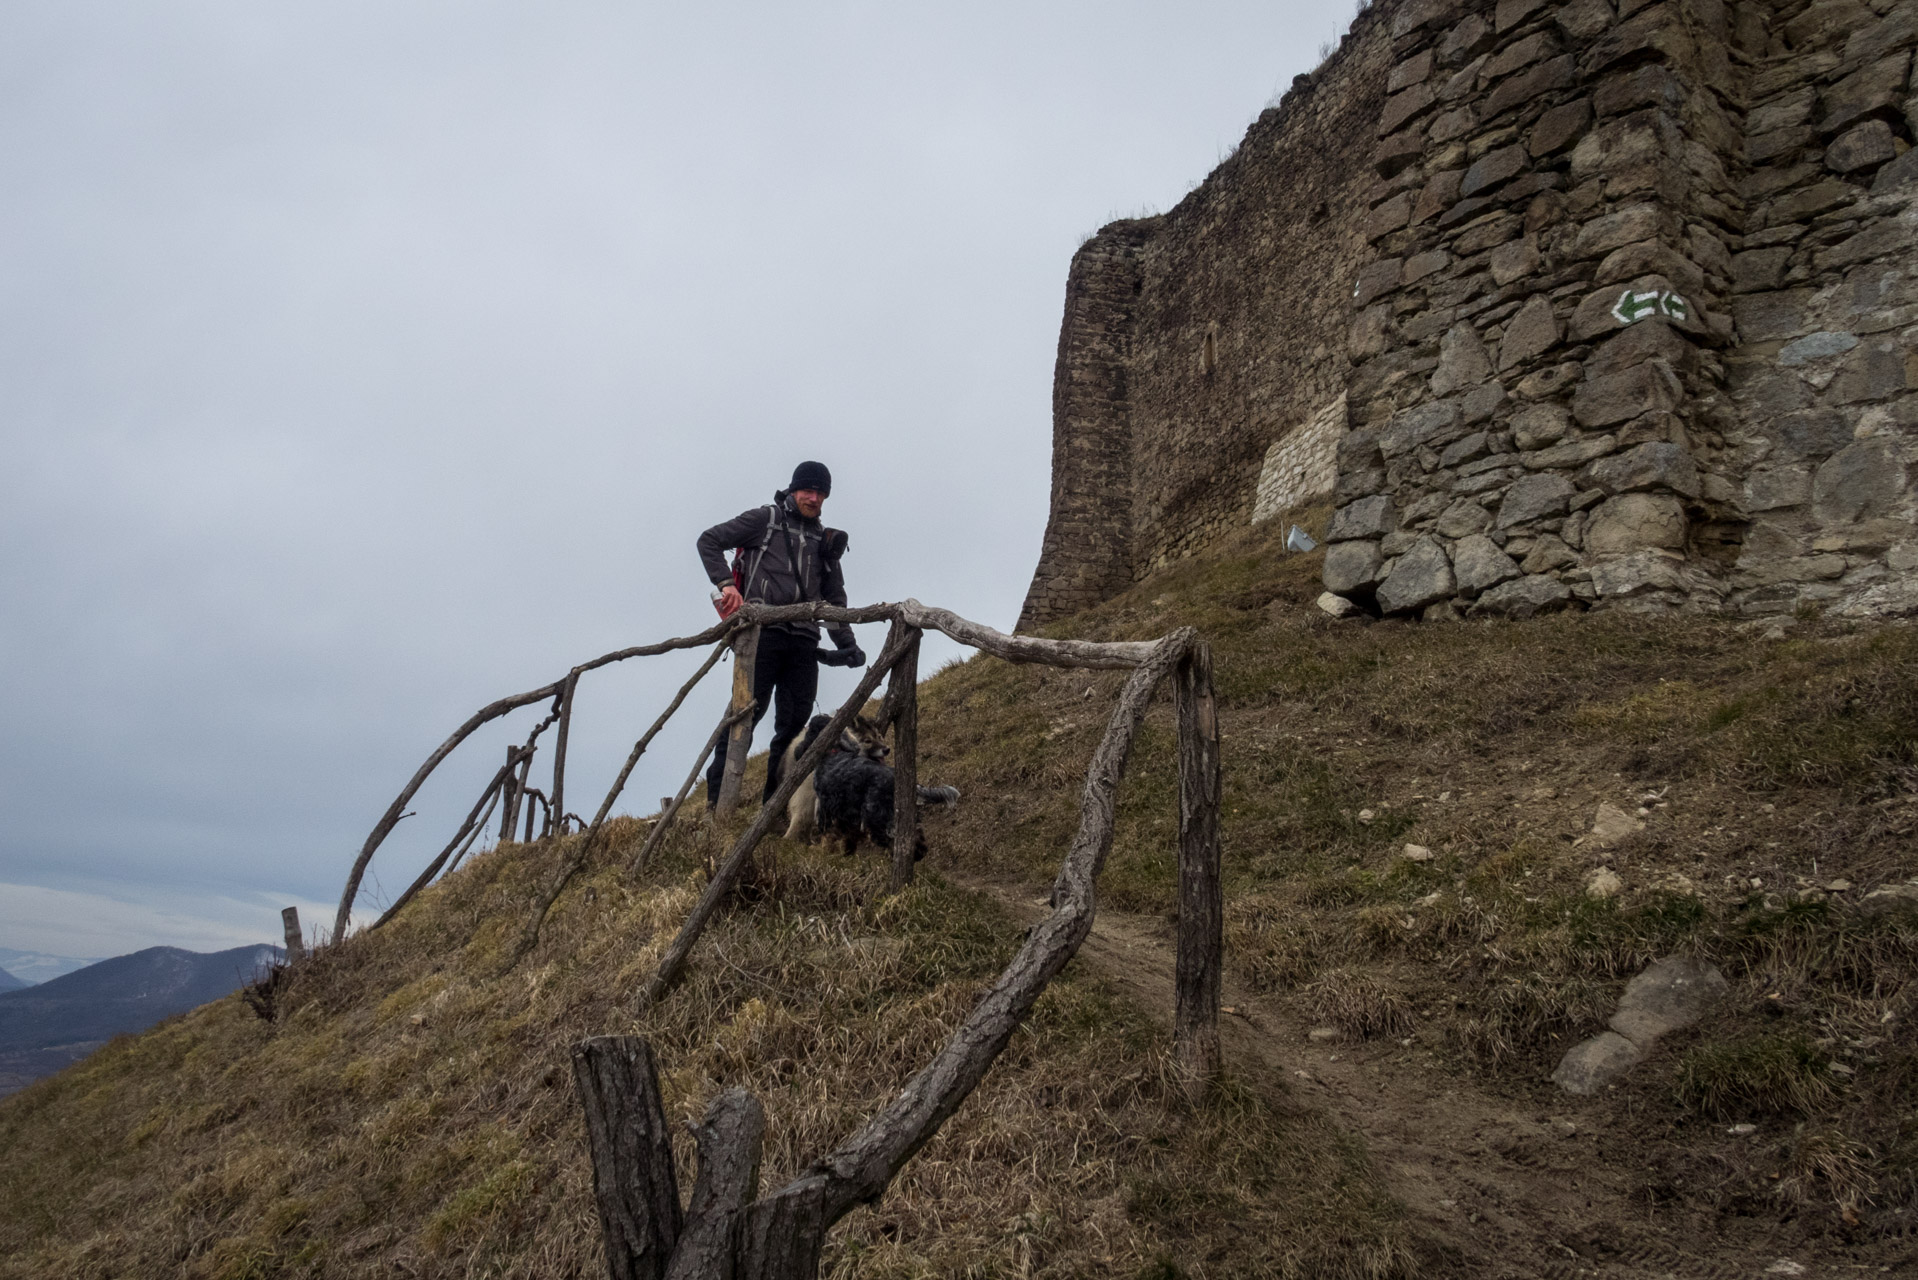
765	540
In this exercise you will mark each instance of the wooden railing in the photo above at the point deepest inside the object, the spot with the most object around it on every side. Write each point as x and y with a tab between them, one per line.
728	1229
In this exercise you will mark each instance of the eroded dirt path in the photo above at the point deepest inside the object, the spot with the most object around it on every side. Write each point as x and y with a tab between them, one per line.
1494	1187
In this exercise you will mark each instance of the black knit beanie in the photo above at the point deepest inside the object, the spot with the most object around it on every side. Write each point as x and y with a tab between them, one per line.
811	475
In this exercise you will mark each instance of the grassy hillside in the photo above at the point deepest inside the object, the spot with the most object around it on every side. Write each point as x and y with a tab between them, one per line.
405	1113
408	1112
1772	767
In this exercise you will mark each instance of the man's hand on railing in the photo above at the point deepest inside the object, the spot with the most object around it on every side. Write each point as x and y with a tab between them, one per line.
850	656
728	600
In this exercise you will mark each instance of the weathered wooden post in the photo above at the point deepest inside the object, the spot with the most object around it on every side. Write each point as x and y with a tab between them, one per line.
646	1235
509	807
905	763
1201	910
632	1155
740	740
557	811
533	800
729	1140
295	941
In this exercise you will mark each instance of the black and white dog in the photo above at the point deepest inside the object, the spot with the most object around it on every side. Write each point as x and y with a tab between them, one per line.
848	798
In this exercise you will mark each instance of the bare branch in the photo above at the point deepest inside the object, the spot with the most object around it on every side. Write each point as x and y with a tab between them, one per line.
490	712
479	829
1113	654
468	827
585	848
658	833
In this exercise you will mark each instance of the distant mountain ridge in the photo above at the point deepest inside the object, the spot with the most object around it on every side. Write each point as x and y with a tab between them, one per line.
10	983
47	1026
37	966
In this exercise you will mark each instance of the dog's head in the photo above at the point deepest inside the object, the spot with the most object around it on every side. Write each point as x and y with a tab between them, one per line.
862	737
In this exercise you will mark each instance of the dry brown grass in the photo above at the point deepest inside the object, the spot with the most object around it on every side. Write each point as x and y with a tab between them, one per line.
1766	769
1361	1005
410	1113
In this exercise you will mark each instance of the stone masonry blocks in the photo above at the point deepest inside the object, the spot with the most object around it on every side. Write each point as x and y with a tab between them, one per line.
1612	315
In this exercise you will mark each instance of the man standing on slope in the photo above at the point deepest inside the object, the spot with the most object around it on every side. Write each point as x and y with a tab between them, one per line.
783	556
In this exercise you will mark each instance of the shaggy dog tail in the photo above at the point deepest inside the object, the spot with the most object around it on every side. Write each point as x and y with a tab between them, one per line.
802	821
938	795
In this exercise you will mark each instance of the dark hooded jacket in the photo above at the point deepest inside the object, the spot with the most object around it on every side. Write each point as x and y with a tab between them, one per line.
800	561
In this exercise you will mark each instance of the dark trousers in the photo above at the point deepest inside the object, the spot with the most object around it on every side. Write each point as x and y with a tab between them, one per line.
786	678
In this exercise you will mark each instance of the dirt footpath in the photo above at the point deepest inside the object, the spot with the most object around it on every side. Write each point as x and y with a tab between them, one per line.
1495	1187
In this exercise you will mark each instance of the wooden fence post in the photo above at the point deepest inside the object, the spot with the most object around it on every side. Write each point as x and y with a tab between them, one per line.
509	808
533	801
295	941
632	1150
740	741
1201	910
730	1140
556	813
905	763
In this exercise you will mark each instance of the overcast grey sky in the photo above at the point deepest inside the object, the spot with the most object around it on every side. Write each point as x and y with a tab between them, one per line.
361	363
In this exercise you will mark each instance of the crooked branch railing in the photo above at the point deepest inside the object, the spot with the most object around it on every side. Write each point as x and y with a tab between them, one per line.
728	1230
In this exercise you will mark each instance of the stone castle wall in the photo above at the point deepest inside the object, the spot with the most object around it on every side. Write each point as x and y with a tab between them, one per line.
1615	298
1194	340
1301	465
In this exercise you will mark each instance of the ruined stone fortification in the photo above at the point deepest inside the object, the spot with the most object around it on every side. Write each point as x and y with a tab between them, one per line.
1559	304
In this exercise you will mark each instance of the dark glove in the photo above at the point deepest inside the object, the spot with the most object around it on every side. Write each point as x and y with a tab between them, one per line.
851	656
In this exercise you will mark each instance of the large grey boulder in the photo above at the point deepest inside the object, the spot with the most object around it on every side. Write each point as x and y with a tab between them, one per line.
1478	564
1367	518
1532	332
1525	597
1432	425
1351	566
1593	1063
1859	482
1860	147
1534	498
1638	574
1538	425
1669	995
1462	519
1657	465
1462	360
1422	576
1673	993
1635	521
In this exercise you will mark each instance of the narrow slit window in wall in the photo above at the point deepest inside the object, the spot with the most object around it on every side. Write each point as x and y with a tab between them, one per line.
1209	353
